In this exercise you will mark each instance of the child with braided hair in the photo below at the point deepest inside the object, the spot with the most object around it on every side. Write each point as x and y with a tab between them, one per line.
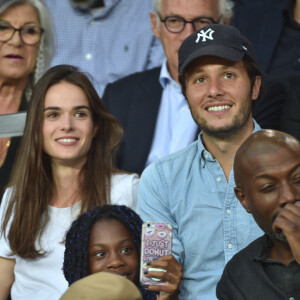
108	238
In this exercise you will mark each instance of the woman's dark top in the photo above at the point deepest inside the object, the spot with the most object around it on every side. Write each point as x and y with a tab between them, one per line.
5	169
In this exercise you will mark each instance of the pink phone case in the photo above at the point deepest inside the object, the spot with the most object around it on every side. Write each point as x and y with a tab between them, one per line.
156	242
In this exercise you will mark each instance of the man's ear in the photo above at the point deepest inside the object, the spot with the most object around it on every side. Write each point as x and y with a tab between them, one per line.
256	87
242	198
155	26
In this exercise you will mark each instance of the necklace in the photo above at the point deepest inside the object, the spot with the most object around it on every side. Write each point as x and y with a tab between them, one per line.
4	145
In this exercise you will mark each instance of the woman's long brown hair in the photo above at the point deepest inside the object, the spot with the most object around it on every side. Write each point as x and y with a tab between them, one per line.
32	182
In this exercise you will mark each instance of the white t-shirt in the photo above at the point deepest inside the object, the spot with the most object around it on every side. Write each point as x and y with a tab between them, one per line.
42	278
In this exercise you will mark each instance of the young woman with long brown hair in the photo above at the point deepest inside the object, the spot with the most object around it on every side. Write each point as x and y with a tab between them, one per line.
64	168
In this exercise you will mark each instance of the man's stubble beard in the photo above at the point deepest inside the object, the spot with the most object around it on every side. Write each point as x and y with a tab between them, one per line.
238	122
278	236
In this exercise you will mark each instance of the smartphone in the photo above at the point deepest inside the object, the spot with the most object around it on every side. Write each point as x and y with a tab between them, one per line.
156	242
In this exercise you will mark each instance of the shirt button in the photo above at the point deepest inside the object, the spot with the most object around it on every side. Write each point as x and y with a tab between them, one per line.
219	179
229	246
182	109
88	56
202	164
206	156
228	211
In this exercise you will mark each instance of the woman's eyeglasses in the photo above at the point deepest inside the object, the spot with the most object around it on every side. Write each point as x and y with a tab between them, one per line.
30	33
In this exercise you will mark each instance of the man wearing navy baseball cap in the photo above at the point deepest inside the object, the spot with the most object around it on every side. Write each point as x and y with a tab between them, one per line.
221	41
193	189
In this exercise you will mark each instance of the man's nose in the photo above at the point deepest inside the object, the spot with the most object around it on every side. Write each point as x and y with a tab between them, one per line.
214	88
187	31
289	193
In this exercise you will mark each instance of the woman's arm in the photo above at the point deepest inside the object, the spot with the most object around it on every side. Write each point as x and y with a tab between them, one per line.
6	276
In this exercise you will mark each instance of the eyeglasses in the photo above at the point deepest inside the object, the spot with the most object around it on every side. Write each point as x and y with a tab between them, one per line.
30	33
176	24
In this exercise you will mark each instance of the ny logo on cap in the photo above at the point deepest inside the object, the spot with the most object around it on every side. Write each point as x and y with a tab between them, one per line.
205	35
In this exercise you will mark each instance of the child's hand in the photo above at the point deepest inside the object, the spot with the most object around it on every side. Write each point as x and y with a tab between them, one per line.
172	277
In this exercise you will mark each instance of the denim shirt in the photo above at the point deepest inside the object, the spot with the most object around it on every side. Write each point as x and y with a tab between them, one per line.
189	190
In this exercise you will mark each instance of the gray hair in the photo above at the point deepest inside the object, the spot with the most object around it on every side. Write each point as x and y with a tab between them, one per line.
46	46
225	9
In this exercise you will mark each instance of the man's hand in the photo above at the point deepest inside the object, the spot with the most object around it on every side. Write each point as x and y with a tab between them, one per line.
288	222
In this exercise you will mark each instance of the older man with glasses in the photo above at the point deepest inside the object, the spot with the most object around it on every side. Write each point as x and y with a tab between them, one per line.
153	112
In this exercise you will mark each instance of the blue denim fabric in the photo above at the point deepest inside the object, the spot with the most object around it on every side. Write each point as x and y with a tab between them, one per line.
189	190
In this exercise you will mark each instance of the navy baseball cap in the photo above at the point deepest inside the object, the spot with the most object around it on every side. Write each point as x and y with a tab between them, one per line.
219	40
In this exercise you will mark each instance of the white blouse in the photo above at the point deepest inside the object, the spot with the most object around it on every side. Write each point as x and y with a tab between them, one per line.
42	278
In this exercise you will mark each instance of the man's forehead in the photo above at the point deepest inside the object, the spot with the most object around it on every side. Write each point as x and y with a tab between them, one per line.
259	147
264	158
202	63
267	141
190	8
